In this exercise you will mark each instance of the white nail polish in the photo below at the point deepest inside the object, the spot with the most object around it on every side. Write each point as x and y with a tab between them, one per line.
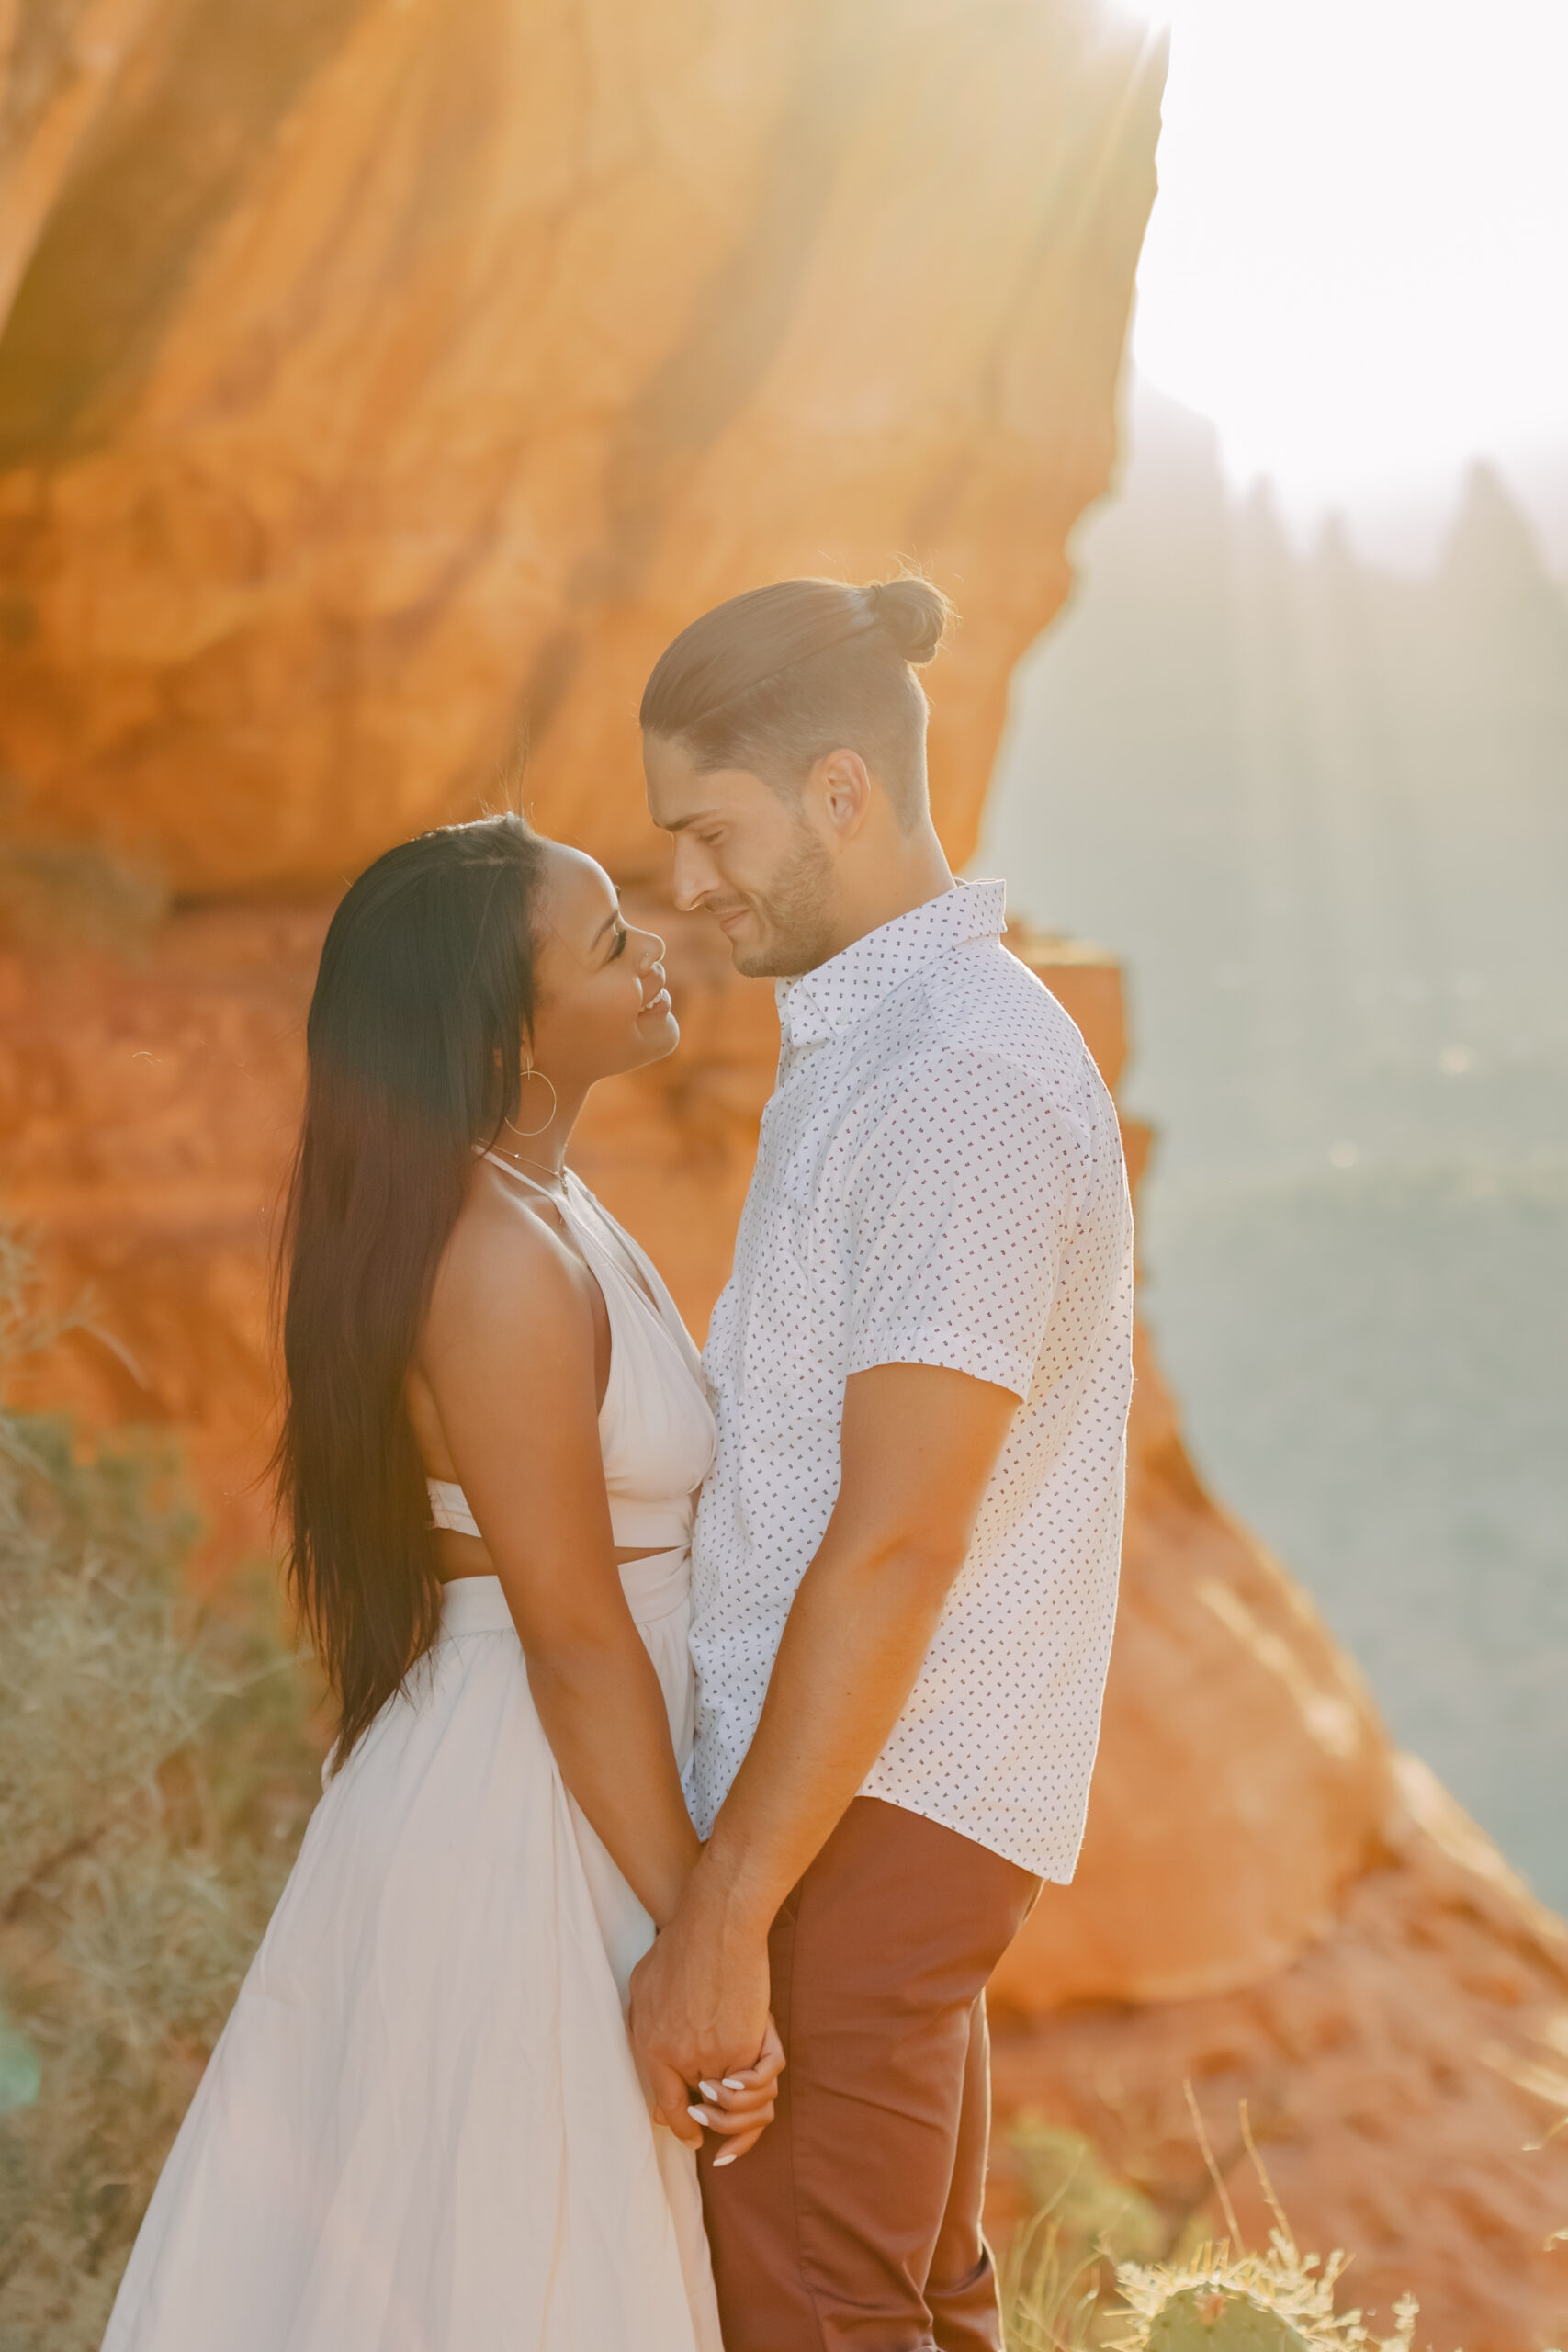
731	2083
710	2091
719	2161
699	2115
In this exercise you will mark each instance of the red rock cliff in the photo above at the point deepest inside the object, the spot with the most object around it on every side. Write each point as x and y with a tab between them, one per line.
385	382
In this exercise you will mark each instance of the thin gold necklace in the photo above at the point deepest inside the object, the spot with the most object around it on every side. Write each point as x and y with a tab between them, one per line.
518	1159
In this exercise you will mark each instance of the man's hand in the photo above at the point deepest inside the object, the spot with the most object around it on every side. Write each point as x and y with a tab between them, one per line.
699	2013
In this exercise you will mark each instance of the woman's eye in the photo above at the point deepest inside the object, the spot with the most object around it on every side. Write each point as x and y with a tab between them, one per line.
621	936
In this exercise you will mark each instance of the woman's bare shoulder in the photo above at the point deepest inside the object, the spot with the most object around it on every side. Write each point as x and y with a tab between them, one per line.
506	1269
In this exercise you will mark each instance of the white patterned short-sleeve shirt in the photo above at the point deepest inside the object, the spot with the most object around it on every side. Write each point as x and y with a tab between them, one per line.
938	1181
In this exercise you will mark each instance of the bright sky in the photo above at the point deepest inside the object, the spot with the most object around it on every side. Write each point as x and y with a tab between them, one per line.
1357	266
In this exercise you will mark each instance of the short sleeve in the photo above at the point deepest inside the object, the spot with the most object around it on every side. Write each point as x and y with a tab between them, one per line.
958	1200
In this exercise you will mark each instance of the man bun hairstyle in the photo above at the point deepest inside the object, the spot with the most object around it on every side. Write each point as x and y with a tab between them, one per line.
912	613
776	679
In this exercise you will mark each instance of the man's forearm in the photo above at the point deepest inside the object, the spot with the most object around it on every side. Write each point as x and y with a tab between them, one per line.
856	1636
918	1448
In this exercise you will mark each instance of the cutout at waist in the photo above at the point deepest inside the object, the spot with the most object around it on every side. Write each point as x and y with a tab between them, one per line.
657	1525
654	1587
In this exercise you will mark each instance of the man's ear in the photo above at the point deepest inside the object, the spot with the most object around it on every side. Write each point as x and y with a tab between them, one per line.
844	789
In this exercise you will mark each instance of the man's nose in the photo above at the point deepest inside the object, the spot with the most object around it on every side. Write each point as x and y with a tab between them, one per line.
692	876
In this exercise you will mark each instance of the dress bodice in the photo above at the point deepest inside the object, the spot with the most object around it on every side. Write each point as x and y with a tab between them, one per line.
656	1429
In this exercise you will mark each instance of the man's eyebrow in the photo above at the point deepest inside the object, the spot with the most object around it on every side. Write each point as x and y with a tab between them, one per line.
679	824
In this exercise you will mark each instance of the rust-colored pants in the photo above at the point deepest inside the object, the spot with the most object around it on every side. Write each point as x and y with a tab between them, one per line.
854	2223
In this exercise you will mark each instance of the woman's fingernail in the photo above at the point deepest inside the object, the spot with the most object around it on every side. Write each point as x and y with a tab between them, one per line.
699	2115
731	2083
727	2159
710	2091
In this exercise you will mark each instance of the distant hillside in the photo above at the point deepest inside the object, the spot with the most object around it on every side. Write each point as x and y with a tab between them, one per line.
1322	808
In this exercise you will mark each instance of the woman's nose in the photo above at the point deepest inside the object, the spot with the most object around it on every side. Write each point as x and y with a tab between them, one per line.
653	949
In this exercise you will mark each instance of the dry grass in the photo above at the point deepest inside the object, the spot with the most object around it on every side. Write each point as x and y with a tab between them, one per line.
1053	2291
155	1774
1059	2276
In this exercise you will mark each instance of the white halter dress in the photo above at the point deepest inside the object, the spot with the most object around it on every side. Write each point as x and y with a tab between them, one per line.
422	2129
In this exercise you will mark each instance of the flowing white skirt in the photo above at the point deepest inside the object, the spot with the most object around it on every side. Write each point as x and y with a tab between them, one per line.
422	2130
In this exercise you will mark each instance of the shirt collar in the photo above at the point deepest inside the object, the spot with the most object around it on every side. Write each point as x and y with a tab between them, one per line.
842	991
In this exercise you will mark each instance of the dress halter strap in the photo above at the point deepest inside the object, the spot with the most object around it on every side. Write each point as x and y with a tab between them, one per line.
594	1245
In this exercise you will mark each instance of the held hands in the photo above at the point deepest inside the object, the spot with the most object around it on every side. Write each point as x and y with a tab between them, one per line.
700	2025
739	2106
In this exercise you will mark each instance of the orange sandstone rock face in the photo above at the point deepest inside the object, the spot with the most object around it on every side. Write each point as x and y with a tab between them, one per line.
385	382
148	1108
1226	1694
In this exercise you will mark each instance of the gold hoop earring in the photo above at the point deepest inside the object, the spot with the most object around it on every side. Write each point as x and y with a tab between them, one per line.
525	1132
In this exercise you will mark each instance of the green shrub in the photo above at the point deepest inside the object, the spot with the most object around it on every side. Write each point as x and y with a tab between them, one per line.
1059	2276
156	1772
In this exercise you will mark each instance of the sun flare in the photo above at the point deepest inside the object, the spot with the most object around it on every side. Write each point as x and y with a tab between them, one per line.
1358	261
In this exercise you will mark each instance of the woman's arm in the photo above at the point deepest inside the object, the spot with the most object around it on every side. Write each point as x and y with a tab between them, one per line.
508	1354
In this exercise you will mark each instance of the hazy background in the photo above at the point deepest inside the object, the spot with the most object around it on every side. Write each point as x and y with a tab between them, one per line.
1299	752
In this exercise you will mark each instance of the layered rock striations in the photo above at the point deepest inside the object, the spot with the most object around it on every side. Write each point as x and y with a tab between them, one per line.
384	383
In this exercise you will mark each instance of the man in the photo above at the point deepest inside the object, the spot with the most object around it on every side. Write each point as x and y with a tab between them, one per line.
906	1558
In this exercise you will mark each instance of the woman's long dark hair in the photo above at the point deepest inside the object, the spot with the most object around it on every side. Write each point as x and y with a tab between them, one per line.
423	998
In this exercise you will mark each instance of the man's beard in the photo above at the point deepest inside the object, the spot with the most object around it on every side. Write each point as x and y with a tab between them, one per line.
796	913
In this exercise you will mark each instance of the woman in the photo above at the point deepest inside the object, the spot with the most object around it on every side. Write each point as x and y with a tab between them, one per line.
422	2130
